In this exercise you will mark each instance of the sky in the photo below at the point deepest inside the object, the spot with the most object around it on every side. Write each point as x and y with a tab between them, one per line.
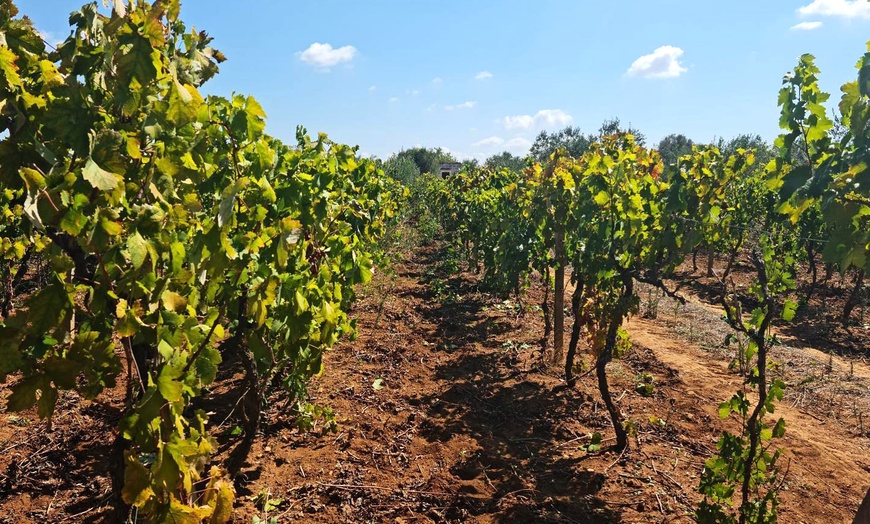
478	78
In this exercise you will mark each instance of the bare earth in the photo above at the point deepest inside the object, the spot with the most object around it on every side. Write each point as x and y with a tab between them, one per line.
468	427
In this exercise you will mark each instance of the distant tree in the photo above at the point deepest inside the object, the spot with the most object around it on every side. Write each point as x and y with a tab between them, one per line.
426	159
402	168
505	160
613	126
764	151
673	146
571	138
470	163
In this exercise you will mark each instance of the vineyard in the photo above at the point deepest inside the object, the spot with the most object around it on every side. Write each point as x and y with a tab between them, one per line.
202	323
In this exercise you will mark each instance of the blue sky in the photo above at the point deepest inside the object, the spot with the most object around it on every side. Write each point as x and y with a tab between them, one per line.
480	77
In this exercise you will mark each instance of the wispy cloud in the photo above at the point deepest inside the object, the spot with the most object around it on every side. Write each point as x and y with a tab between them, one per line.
463	105
841	8
483	75
492	141
437	80
541	119
372	89
324	56
393	99
662	63
515	145
806	26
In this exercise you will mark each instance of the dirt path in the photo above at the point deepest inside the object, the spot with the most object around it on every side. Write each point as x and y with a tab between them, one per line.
843	365
820	460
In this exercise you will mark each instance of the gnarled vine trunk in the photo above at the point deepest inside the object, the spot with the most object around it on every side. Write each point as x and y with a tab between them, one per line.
575	336
559	300
250	405
604	358
854	296
545	308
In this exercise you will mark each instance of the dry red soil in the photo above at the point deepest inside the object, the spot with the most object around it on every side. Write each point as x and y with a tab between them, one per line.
469	427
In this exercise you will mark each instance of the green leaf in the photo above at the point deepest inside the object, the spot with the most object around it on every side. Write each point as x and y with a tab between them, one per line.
138	249
594	443
225	210
24	393
378	384
779	428
301	302
789	309
47	402
99	178
168	385
329	313
73	222
184	103
207	365
602	198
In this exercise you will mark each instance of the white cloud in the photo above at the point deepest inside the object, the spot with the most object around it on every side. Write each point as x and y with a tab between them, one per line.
806	26
325	56
393	99
437	80
463	105
662	63
489	142
518	144
431	108
372	89
543	118
843	8
414	92
483	75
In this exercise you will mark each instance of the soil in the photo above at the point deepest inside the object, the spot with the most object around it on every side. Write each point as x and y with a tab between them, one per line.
445	413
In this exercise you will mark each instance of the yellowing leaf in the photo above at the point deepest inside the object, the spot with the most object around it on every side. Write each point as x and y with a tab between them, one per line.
32	178
8	67
121	308
180	513
137	483
220	495
173	301
111	227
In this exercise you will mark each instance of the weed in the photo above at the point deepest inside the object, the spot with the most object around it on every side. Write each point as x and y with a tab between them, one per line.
645	385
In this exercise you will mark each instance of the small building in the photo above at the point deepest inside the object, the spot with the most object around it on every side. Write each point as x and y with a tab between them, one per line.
449	168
